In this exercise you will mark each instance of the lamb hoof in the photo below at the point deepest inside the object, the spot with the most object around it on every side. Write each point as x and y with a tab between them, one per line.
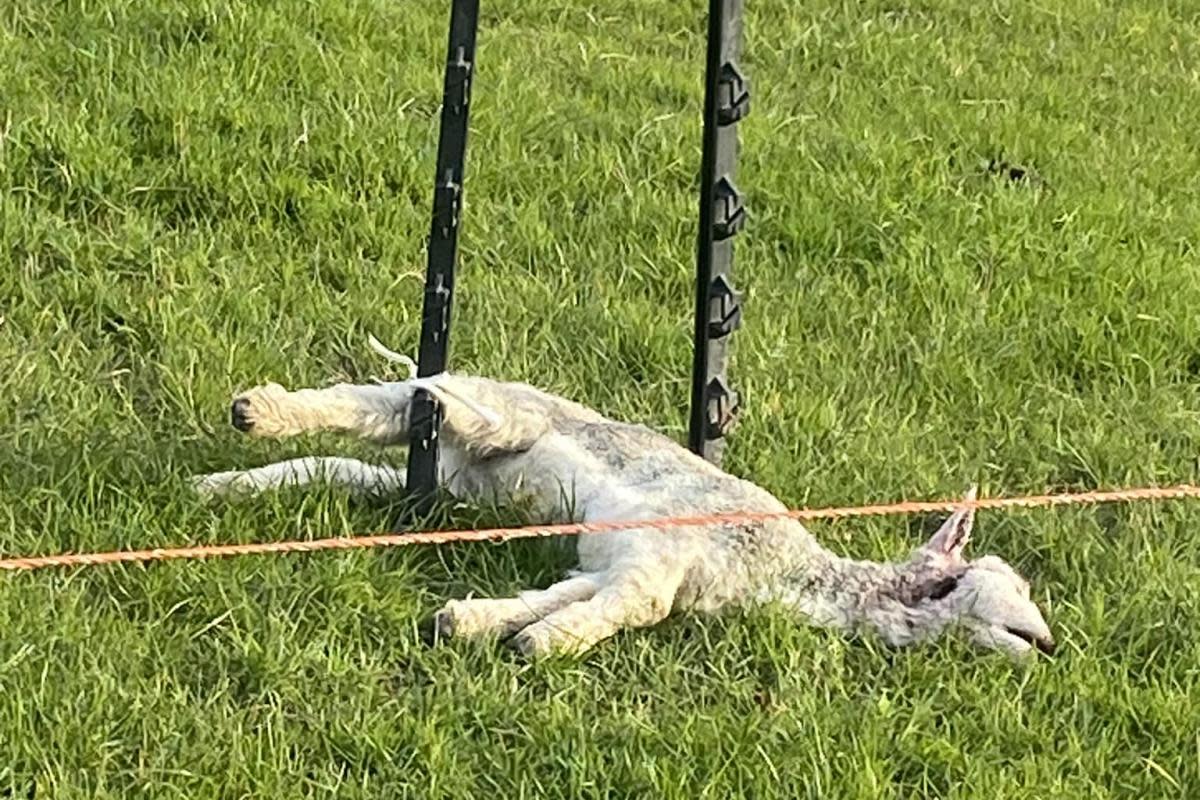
523	645
437	628
239	415
216	484
531	642
262	411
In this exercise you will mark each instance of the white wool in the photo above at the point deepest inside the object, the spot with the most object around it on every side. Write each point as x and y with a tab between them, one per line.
512	442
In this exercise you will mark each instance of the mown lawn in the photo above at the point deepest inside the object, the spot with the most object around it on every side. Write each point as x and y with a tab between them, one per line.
199	196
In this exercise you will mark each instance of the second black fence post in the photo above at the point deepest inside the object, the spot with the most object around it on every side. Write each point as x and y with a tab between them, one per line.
722	216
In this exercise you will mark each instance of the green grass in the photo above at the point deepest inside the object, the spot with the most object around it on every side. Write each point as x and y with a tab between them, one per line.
167	235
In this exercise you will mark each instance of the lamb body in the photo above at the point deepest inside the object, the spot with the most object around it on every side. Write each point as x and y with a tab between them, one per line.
511	442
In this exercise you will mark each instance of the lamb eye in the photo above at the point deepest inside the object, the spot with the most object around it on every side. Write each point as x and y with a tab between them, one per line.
942	588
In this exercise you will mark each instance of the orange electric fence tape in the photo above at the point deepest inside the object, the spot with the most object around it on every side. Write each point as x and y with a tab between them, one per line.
573	528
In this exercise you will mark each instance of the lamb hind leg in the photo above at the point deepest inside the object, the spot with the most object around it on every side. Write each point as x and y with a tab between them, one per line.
486	417
375	412
357	475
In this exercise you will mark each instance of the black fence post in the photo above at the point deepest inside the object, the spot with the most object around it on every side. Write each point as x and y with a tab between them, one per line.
722	215
425	416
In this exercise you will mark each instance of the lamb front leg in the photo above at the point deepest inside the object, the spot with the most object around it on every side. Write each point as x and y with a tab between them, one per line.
483	617
634	599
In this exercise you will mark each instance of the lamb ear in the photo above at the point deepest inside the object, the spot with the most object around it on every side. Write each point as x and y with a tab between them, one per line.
955	532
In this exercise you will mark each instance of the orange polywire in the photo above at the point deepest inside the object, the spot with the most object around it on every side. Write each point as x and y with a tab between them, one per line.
574	528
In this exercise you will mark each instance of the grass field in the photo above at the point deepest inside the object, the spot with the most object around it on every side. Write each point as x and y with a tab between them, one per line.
197	197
